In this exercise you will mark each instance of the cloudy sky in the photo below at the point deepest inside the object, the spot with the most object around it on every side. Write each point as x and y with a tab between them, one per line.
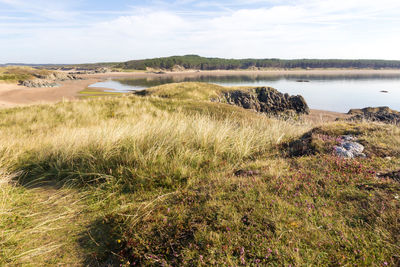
77	31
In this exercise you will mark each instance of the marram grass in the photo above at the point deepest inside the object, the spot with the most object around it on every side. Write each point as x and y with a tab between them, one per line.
150	181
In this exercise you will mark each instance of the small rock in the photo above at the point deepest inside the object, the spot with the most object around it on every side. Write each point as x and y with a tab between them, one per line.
246	173
395	175
349	148
353	147
342	152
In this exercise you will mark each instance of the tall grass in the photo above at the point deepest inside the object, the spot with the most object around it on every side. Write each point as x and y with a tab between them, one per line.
127	144
152	181
133	143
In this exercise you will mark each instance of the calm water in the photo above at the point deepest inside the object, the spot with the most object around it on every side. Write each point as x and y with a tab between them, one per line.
334	93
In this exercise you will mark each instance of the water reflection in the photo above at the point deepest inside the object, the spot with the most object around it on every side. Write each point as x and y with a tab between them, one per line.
245	79
327	92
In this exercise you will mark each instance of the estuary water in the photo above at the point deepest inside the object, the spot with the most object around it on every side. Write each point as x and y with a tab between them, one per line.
326	92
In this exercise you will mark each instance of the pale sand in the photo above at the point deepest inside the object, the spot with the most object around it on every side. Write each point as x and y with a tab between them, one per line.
321	116
14	95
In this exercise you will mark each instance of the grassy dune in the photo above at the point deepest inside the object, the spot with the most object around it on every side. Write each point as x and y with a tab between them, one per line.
14	74
151	181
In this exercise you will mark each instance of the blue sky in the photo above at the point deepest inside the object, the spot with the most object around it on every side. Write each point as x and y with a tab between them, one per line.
77	31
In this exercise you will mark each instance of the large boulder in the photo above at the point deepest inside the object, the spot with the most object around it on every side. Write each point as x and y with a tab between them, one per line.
380	114
265	99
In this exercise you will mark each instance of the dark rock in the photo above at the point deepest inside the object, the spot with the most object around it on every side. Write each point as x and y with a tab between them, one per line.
392	175
265	99
379	114
245	173
302	146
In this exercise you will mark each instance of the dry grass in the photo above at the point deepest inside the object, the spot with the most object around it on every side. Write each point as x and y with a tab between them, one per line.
189	90
123	180
125	143
37	225
13	74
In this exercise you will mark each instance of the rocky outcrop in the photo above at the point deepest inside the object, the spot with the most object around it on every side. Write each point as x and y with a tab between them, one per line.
380	114
265	99
58	76
37	83
49	80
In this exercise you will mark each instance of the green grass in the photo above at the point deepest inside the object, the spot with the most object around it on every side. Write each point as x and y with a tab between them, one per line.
94	93
150	181
188	91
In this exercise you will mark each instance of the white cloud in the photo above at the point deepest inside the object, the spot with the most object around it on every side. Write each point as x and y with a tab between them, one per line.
306	29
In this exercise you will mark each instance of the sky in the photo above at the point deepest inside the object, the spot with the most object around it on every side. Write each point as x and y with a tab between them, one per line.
84	31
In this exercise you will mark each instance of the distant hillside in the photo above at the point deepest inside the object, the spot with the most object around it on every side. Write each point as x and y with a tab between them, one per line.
203	63
89	66
195	62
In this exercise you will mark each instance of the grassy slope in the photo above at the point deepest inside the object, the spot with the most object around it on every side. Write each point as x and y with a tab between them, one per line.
189	91
150	180
14	74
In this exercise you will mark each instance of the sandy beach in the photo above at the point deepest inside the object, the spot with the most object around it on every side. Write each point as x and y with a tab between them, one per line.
12	95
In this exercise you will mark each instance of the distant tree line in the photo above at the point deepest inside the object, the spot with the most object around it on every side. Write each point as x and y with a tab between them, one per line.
202	63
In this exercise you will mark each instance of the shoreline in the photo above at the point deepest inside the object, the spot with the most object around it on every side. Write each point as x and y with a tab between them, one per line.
13	95
328	72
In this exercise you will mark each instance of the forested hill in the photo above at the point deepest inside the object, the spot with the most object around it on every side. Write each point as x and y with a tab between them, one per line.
203	63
